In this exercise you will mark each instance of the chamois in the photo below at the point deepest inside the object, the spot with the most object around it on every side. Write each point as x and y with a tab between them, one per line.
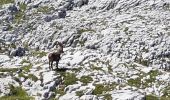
55	55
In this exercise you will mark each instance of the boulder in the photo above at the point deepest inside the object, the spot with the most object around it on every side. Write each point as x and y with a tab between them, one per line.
12	8
62	13
20	51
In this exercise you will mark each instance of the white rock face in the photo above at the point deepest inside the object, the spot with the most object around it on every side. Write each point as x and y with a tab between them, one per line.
117	44
127	95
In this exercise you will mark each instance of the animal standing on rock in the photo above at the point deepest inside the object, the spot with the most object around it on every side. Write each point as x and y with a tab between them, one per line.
55	55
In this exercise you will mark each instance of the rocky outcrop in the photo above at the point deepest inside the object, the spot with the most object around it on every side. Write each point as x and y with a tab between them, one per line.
111	48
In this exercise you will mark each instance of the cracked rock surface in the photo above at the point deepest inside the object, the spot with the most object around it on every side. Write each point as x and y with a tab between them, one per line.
113	49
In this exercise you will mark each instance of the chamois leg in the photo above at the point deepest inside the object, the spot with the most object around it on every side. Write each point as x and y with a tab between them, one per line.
57	64
52	65
49	65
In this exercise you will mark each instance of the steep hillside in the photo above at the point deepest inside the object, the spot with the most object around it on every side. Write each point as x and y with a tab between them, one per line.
113	49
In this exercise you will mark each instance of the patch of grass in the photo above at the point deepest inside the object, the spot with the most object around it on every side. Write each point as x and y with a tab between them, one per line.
135	82
151	97
19	16
44	9
142	61
24	61
77	69
16	93
60	90
29	76
8	69
145	83
70	79
166	92
86	79
22	6
27	68
102	89
110	70
99	88
152	78
33	77
2	2
93	67
107	97
39	54
79	93
81	43
80	31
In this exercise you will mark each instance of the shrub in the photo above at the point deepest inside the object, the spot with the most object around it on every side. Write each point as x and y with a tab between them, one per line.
16	93
69	79
2	2
86	79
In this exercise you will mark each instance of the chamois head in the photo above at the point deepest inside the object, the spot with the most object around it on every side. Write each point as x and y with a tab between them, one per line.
59	46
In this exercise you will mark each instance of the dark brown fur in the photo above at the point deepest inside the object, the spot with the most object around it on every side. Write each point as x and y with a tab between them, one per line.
55	56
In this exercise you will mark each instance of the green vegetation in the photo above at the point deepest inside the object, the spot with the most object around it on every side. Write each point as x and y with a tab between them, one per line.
110	70
86	79
24	61
22	6
16	93
151	97
29	76
142	61
27	68
2	2
94	67
79	93
80	31
101	89
135	82
145	83
60	90
81	43
19	16
45	9
8	69
166	92
39	54
69	79
107	97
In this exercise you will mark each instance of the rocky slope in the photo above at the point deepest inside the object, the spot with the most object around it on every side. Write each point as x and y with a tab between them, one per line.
113	49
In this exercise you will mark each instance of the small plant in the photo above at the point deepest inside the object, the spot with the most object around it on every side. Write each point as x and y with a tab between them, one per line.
86	79
69	79
151	97
100	89
19	16
16	93
44	9
33	77
60	90
93	67
166	92
22	6
24	61
135	82
79	93
29	76
80	31
39	54
8	69
107	97
2	2
27	68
